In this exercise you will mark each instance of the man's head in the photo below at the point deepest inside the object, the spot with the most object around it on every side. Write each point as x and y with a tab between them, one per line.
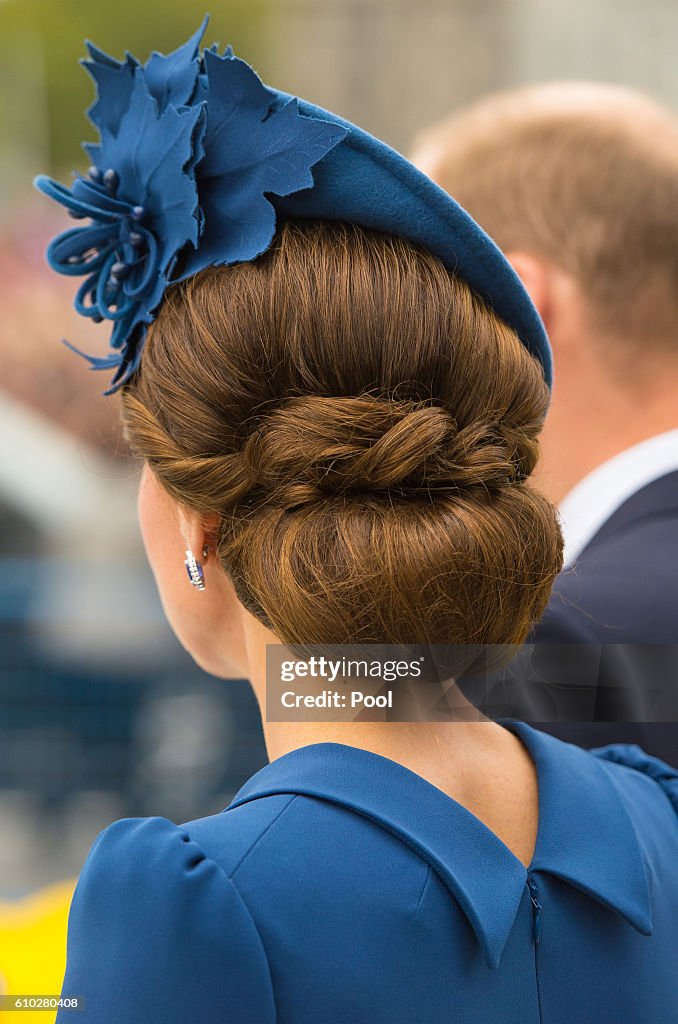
584	176
578	184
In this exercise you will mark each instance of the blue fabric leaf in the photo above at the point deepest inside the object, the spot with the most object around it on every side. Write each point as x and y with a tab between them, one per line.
114	83
150	154
250	151
200	93
172	79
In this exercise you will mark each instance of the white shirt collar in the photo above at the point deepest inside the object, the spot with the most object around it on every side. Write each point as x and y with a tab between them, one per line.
594	499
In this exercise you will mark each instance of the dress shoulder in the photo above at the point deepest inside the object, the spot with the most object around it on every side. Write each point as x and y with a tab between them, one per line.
632	756
158	931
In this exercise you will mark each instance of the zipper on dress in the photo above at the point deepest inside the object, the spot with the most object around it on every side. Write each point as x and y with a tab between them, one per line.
536	909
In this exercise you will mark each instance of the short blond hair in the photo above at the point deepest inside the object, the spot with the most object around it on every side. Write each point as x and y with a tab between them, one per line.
584	175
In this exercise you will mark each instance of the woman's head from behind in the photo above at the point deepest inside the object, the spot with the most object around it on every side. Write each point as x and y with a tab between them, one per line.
352	428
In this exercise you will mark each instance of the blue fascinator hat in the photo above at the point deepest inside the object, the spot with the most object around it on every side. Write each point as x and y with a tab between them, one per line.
196	164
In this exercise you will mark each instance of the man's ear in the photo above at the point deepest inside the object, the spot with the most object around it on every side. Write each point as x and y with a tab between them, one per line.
535	274
198	530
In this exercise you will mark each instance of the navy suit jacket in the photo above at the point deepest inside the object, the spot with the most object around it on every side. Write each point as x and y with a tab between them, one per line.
622	593
602	665
623	587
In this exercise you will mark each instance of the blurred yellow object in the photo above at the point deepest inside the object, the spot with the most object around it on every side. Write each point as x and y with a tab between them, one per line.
33	948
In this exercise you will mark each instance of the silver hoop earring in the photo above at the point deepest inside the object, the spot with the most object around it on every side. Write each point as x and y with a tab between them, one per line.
194	570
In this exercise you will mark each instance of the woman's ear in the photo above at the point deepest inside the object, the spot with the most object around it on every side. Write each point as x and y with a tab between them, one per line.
198	530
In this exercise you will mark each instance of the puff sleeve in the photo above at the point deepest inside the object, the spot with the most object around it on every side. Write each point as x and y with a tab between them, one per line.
633	756
157	932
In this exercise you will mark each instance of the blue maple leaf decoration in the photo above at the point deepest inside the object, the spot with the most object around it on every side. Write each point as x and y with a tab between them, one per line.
171	80
190	149
250	149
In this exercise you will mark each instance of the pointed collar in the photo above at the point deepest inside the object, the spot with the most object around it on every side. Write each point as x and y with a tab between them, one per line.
585	835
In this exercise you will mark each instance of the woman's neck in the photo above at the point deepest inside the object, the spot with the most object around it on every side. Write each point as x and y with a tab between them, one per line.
409	742
413	744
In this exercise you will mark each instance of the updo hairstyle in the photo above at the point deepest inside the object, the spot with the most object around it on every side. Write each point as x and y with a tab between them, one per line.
364	425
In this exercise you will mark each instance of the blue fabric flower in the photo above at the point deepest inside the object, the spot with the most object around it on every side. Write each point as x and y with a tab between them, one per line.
189	146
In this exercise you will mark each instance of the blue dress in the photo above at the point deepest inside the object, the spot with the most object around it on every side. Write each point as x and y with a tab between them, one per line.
340	888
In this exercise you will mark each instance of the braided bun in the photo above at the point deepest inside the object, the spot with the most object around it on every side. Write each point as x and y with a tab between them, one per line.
364	425
312	448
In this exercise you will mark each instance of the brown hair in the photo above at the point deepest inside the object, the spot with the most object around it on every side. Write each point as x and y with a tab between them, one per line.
363	424
584	174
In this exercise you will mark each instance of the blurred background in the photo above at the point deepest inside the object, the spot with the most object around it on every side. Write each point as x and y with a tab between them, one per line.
102	715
